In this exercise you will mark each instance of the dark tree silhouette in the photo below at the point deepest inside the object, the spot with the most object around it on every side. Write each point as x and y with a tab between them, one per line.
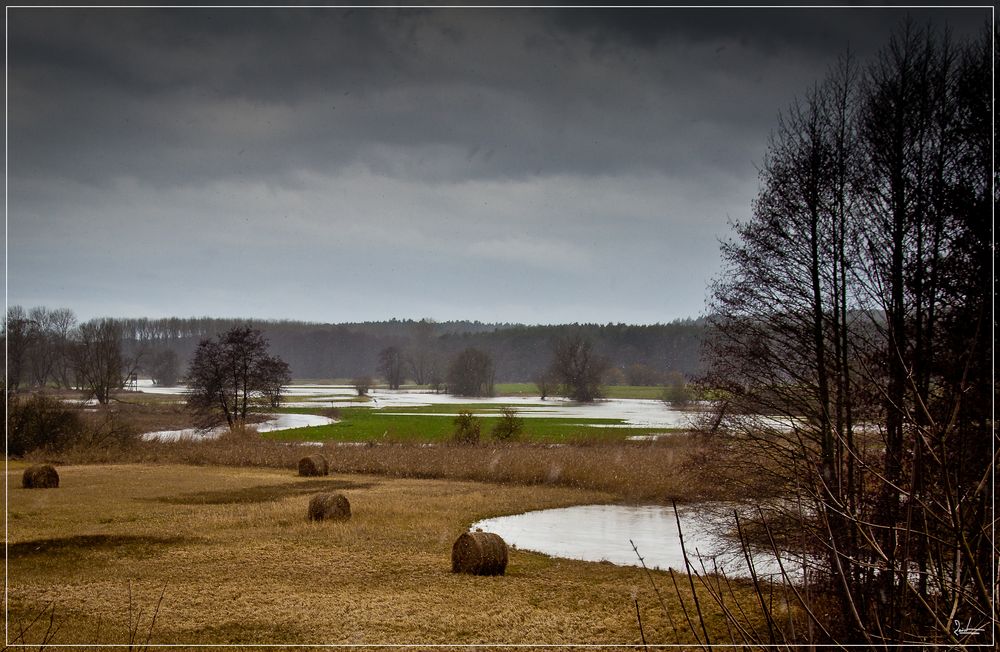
101	368
233	375
577	367
471	373
850	340
390	365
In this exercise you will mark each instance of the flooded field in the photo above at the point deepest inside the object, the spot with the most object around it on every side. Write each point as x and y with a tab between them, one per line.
634	413
274	423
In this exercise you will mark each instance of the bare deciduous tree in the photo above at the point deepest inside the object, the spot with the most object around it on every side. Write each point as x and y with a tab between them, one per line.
362	384
471	373
233	375
577	367
100	367
390	365
17	338
850	339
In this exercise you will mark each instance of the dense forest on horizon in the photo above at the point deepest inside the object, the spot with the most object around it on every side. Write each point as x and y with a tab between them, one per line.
520	353
163	348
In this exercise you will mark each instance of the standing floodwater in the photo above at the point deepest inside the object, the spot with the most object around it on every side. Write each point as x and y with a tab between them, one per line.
602	533
274	423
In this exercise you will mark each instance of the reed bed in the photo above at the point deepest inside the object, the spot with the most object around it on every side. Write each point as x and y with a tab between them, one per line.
675	468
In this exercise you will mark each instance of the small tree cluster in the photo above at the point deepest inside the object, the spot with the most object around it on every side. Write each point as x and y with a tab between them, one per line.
39	422
676	390
46	348
39	346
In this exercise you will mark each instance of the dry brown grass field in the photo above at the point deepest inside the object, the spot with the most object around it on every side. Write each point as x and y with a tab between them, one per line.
236	560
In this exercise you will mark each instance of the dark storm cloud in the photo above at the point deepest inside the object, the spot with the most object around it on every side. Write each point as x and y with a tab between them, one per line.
177	96
776	31
511	159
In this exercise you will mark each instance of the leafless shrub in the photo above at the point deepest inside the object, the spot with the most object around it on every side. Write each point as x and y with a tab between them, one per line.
466	429
509	427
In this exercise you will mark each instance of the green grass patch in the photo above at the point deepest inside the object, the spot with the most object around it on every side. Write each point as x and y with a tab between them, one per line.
435	424
609	391
633	391
516	389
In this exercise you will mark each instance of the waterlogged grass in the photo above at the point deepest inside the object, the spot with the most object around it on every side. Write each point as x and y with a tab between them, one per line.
435	424
652	392
116	544
633	391
516	389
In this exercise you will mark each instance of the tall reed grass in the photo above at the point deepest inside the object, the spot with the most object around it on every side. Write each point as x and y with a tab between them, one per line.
671	469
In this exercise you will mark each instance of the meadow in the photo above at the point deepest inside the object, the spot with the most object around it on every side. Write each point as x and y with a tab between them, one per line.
207	541
158	553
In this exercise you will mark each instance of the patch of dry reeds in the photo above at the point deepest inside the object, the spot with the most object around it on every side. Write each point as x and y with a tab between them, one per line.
680	467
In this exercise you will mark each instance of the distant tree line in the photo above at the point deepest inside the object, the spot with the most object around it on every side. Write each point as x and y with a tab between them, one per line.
421	350
49	348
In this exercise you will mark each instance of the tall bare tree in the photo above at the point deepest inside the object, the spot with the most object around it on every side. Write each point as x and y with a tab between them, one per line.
100	367
17	334
471	373
577	367
390	365
850	332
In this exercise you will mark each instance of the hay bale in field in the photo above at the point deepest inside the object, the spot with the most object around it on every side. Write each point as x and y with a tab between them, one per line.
42	476
479	553
314	465
326	507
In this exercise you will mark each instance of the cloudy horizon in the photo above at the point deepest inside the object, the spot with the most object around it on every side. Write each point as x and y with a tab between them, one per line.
346	165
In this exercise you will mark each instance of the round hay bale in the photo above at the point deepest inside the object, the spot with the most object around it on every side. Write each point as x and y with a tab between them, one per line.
314	465
479	553
324	507
42	476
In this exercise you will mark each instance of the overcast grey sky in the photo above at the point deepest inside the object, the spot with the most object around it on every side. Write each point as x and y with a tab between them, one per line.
537	166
